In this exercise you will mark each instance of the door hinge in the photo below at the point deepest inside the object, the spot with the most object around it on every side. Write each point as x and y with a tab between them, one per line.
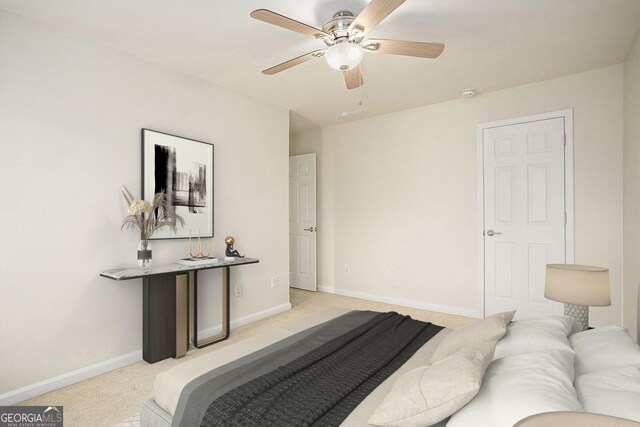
565	218
565	139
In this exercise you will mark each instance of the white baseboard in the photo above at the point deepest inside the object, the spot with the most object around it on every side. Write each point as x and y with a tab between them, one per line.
42	387
215	330
55	383
402	302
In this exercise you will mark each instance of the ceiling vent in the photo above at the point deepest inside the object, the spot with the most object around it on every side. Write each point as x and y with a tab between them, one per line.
352	114
468	93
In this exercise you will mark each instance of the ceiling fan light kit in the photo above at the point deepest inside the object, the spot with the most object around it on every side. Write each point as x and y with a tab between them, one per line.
344	36
344	56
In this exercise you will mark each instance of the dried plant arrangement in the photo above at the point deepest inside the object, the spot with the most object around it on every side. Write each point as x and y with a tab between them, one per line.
149	216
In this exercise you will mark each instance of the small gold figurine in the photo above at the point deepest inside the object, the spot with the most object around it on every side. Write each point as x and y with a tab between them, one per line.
229	241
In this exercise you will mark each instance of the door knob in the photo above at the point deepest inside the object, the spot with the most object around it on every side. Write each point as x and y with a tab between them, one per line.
310	229
492	233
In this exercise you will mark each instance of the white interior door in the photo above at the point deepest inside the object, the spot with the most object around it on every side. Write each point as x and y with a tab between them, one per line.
302	222
524	214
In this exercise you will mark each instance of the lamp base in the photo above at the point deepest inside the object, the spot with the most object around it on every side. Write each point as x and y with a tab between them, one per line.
580	313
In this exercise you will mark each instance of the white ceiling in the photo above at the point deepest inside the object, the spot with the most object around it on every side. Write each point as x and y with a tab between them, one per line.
490	44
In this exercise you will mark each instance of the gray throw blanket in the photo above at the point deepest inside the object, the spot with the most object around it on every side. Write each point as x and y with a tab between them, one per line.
323	386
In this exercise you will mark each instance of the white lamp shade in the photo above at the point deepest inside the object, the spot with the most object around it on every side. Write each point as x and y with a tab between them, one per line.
344	56
578	284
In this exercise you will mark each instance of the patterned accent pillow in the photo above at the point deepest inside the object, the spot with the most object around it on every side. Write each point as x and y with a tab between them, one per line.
490	328
429	394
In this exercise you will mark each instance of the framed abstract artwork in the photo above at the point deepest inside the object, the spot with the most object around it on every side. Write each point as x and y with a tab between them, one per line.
183	169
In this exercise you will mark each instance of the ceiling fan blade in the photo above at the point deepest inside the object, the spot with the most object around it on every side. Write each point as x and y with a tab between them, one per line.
374	13
273	18
353	78
402	47
293	62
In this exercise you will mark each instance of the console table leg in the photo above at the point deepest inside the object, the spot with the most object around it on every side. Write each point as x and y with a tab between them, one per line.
224	334
182	296
226	288
158	317
192	280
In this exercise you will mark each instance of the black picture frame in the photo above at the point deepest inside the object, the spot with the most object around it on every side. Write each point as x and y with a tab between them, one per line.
184	169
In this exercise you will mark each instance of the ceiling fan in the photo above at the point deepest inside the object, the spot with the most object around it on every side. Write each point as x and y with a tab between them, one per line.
344	36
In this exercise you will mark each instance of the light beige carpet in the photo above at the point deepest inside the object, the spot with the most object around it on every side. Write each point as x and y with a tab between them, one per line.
116	397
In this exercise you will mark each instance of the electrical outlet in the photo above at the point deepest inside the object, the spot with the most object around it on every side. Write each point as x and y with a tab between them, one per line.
274	282
238	290
347	268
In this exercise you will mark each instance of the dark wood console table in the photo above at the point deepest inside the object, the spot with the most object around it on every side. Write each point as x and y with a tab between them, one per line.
169	306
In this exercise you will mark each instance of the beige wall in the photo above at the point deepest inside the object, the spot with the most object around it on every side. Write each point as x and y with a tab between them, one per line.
70	118
398	195
632	187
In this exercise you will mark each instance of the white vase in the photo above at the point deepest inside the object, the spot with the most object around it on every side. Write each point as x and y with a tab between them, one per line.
144	253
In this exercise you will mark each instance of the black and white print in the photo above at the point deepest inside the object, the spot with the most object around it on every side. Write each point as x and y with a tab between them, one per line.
183	169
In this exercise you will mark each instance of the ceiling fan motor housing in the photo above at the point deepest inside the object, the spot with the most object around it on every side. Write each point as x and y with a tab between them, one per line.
338	27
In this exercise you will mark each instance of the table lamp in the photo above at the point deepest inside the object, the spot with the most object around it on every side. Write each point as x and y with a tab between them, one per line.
578	287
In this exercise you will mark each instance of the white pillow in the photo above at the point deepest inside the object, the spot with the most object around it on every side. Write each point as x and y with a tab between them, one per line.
613	392
539	334
603	348
490	328
566	324
429	394
515	387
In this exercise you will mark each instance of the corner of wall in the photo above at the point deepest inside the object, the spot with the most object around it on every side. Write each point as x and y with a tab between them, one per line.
631	209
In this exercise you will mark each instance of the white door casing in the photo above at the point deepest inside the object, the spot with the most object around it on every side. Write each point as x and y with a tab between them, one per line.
302	222
527	211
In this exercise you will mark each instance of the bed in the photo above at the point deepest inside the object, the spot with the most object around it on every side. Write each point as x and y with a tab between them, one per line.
493	372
